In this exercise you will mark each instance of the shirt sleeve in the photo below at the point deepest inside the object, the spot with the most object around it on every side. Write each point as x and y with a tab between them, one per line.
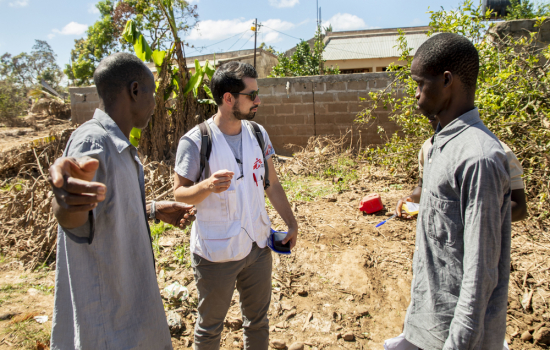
79	146
421	162
485	200
188	159
516	170
269	150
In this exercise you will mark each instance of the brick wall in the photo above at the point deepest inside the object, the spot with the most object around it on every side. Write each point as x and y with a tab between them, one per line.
84	101
317	105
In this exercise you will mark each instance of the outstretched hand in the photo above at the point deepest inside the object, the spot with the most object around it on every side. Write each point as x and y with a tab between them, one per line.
175	213
71	178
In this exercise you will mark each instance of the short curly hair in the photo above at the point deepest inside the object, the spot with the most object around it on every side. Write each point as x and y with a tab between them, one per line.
229	78
450	52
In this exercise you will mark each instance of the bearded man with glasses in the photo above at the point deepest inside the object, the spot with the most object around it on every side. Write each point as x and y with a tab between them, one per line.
229	237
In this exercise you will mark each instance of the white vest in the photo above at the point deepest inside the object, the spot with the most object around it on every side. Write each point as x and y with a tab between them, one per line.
228	223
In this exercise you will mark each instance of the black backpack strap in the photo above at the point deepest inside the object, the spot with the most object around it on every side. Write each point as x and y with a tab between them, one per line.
261	142
206	149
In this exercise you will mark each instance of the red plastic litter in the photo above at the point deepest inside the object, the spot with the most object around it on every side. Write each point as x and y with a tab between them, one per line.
371	203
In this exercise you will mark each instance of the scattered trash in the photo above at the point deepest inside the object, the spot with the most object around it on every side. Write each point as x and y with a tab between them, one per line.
371	203
177	292
41	319
411	208
174	322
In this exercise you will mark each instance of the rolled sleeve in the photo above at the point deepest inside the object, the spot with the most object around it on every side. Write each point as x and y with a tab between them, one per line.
484	207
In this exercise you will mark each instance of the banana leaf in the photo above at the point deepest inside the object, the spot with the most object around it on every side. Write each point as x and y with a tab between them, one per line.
135	136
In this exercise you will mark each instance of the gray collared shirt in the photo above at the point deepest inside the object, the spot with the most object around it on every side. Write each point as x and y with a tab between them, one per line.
106	292
461	265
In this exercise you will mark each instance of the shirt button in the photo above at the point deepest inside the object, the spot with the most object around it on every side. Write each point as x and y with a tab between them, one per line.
430	160
416	248
425	190
413	276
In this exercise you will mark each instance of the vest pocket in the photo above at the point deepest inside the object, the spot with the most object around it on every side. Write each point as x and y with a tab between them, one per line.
262	226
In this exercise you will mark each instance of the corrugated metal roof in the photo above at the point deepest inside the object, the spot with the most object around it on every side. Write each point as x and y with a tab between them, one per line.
376	46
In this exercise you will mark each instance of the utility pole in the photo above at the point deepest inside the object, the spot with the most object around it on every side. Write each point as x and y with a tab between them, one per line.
255	36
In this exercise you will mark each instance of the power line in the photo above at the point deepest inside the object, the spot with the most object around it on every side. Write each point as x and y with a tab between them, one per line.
246	42
237	41
281	32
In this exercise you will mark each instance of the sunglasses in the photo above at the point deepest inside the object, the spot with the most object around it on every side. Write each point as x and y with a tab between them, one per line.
252	95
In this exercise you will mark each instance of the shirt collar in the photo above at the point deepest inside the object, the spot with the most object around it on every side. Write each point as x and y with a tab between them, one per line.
454	128
114	132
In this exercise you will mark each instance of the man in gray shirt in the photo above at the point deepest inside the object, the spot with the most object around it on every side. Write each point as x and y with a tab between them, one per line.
461	265
106	292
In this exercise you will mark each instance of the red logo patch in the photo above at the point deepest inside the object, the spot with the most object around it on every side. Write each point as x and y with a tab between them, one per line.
257	163
268	150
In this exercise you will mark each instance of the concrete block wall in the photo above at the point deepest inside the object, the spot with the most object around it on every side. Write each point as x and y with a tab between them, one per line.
84	101
311	106
319	105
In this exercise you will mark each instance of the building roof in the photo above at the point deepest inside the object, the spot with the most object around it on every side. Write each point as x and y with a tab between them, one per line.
377	43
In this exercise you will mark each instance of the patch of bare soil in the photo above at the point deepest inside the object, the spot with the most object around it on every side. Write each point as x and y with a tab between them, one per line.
14	136
345	286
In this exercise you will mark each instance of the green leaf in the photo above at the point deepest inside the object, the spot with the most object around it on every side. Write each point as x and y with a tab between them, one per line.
200	72
129	31
135	136
158	57
191	83
142	49
208	91
207	101
209	70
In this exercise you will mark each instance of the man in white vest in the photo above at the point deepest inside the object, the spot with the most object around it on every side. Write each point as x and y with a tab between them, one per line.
229	236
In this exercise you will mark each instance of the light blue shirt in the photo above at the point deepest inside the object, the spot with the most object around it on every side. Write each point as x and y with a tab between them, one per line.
106	292
461	266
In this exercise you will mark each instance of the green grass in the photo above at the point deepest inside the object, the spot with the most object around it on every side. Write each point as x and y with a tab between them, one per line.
17	185
28	333
304	189
181	253
156	231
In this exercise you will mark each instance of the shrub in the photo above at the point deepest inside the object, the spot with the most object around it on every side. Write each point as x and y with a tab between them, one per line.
513	94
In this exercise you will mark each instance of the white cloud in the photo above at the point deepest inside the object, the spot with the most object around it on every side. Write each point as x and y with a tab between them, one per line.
193	1
72	28
19	3
345	21
221	29
284	3
92	9
417	22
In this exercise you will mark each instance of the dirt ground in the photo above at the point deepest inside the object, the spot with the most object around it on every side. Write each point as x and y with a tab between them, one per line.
14	136
345	278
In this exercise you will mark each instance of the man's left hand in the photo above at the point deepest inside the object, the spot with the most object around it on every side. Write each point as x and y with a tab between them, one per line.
291	236
175	213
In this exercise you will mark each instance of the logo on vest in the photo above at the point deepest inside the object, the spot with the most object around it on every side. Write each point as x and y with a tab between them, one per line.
257	164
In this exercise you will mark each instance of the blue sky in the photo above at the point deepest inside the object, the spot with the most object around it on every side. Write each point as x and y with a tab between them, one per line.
59	22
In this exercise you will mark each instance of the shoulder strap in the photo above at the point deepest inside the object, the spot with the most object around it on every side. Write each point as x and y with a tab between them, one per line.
261	142
206	149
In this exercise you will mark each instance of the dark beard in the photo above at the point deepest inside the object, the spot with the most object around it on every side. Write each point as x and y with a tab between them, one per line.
240	116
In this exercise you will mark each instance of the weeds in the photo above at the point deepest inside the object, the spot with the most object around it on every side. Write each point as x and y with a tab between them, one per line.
156	231
181	255
28	333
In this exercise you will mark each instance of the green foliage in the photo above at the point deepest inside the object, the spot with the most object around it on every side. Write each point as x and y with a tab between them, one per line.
111	34
181	253
156	232
13	102
513	91
526	9
305	61
26	70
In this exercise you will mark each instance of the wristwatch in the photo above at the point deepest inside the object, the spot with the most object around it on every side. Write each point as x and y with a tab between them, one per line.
152	213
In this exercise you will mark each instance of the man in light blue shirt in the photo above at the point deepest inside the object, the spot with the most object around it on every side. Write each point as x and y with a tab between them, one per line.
106	292
461	265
